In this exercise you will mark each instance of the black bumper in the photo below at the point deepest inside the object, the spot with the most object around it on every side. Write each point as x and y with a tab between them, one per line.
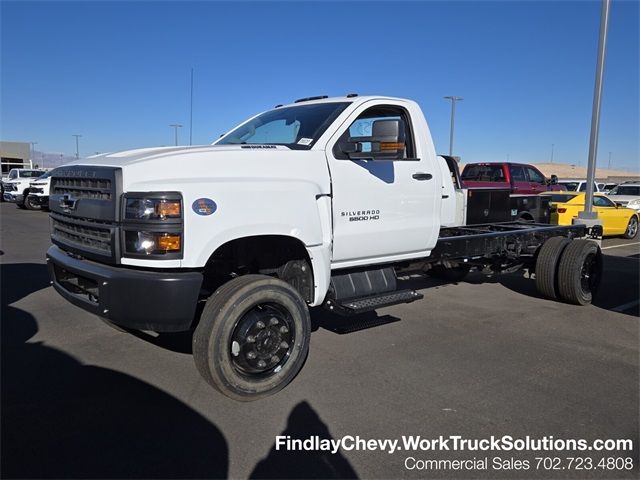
138	299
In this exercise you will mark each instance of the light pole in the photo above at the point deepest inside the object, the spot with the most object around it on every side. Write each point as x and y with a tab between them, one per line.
77	144
191	112
176	126
609	165
552	145
453	99
587	213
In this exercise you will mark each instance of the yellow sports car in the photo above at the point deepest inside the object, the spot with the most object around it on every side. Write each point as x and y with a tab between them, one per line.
616	220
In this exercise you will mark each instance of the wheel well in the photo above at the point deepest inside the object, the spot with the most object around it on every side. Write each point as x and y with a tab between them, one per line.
525	216
275	255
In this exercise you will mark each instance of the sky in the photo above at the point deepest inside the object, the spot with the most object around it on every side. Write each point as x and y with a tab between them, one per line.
118	73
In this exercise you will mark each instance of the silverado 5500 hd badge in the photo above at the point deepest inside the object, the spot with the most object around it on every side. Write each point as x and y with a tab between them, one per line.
361	215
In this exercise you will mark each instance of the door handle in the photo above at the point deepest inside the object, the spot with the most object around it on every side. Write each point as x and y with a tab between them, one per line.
422	176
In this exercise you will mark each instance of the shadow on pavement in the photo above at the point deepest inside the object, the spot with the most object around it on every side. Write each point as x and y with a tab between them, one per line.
63	419
304	423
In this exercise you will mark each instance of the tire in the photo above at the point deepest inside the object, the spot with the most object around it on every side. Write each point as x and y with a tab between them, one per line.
547	266
632	228
237	347
454	274
31	204
580	272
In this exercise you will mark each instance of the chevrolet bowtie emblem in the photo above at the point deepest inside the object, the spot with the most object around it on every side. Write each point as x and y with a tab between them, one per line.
68	203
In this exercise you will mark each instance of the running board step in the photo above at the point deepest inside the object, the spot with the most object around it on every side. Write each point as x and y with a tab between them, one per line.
366	304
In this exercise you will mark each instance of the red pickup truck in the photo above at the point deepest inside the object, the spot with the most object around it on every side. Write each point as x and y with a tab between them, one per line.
520	178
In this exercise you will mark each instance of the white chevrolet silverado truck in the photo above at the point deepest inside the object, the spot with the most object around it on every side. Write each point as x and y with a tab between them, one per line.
16	187
317	203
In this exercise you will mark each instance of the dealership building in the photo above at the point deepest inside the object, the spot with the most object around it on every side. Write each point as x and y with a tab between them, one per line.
14	155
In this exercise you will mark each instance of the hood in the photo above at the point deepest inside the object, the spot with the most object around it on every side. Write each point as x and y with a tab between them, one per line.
130	157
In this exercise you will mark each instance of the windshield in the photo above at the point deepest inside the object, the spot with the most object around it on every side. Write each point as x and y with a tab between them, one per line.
626	190
296	127
44	177
31	173
483	173
13	174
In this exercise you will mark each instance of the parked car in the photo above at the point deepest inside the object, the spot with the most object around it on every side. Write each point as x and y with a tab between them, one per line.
607	187
576	186
519	177
627	195
616	220
17	184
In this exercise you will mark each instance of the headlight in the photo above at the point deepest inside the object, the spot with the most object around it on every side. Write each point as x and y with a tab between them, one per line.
152	225
152	209
150	243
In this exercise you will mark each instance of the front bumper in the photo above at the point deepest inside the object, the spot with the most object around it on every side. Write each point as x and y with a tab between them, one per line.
13	197
137	299
42	200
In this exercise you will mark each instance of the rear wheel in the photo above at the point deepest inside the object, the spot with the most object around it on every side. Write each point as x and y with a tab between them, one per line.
547	266
632	228
580	272
253	337
31	203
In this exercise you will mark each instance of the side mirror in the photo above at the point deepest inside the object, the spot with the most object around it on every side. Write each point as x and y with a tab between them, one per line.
554	180
618	205
387	142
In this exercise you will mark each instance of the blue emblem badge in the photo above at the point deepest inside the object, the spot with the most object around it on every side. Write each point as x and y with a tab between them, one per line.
204	206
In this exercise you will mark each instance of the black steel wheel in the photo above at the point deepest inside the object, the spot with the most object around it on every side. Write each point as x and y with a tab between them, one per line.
253	337
31	203
547	263
580	272
632	228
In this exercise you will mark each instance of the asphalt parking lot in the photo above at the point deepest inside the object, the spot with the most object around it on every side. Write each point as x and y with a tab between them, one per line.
483	357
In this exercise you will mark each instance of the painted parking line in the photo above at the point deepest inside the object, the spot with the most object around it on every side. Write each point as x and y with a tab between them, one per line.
626	306
618	246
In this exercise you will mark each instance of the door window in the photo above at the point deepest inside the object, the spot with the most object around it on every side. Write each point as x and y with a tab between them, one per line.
603	202
535	176
362	129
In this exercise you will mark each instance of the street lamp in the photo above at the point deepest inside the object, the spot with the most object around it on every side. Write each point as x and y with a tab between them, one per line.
552	145
77	144
453	99
588	214
176	126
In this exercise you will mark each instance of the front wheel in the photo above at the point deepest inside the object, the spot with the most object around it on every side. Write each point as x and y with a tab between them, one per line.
253	337
31	203
632	228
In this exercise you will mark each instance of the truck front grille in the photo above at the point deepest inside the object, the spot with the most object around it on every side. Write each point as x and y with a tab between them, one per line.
94	188
80	235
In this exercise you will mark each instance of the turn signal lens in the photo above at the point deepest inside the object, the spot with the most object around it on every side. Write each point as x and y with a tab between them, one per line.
169	243
391	146
562	210
168	209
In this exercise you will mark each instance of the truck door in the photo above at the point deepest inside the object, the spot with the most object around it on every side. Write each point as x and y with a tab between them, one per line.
519	179
383	210
537	181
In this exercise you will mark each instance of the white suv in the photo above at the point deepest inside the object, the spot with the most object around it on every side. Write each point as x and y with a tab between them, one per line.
627	195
